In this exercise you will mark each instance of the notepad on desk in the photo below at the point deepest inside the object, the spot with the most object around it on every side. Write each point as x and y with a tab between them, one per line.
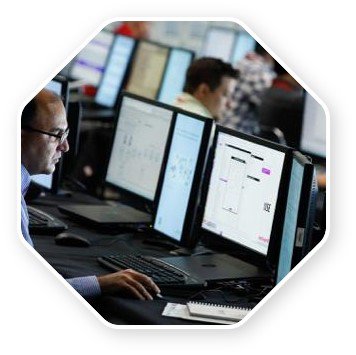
216	311
210	313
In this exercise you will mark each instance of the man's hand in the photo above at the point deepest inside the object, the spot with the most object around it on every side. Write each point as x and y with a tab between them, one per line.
129	282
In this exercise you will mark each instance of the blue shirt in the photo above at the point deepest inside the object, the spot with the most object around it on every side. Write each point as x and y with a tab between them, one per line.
87	286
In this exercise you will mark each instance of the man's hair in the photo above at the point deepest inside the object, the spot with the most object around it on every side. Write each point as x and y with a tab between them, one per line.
30	110
209	71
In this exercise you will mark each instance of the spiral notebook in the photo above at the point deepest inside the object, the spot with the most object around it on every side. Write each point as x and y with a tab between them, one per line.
210	313
216	311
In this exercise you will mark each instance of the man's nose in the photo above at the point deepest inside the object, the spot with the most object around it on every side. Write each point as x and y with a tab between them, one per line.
64	147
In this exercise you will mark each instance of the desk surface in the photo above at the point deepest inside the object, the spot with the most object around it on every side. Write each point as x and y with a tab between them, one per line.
78	261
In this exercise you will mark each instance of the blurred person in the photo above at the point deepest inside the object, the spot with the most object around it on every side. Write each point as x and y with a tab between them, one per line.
282	106
44	132
208	87
255	76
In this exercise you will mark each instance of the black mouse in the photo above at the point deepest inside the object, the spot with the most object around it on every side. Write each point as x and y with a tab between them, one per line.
71	240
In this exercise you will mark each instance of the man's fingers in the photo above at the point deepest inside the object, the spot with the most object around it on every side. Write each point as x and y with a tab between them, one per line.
140	289
146	281
131	289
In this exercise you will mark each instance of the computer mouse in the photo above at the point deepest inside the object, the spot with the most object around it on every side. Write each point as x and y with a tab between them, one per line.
71	240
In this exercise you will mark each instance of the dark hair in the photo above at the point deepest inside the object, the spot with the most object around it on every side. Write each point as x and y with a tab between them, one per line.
209	71
29	113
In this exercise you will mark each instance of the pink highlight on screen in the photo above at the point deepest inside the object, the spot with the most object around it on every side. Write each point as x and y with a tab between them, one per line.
263	239
266	171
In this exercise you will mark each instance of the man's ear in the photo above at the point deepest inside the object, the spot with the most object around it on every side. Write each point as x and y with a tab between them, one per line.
202	91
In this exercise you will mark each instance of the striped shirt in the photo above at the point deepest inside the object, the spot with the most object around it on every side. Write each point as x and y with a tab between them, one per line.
87	286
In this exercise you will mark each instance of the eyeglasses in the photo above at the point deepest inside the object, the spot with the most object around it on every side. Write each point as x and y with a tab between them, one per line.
61	136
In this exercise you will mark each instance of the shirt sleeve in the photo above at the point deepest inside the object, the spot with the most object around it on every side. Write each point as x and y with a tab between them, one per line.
87	286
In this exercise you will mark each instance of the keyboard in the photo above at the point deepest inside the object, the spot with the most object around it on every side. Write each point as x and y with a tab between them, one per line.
43	223
163	274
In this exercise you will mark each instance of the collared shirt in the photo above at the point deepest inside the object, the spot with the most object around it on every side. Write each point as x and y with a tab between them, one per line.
189	103
87	286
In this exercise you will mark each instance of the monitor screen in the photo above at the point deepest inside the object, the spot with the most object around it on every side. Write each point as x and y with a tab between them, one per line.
147	69
55	86
114	74
245	43
243	191
139	143
290	220
89	64
178	176
219	43
174	76
43	180
313	139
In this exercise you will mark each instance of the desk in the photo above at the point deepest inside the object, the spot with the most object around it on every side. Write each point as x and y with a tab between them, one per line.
78	261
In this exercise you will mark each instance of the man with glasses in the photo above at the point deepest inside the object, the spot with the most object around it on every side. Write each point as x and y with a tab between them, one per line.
44	133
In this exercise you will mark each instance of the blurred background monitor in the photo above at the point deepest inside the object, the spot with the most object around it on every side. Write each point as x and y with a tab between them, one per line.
174	76
147	69
244	44
219	43
313	138
59	85
115	71
89	64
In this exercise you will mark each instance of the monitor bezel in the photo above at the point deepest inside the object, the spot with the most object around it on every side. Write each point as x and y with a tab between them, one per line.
131	196
126	75
228	246
189	236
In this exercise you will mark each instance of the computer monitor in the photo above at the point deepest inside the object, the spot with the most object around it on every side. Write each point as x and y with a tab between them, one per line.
244	44
299	217
89	64
140	139
245	194
179	186
290	225
115	71
174	76
219	43
147	69
313	138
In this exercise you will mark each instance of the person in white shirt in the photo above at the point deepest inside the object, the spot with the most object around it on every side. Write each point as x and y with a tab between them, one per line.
208	87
